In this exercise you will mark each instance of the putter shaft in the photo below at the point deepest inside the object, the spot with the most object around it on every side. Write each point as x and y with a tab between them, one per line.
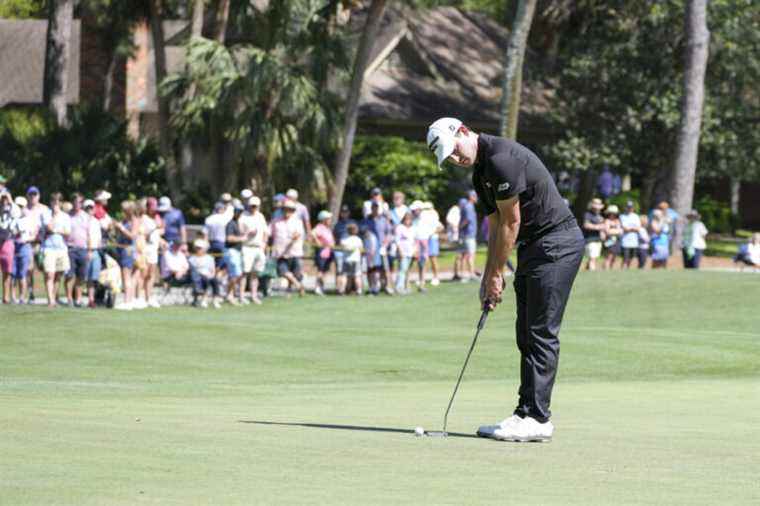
481	324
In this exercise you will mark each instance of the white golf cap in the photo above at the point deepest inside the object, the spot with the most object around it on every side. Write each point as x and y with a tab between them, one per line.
323	215
20	201
417	205
246	194
292	194
254	201
440	138
88	203
102	195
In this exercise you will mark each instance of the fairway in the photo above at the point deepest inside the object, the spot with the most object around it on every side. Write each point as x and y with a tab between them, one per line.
314	401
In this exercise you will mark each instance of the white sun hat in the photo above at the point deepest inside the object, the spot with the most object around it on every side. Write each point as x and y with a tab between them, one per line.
440	138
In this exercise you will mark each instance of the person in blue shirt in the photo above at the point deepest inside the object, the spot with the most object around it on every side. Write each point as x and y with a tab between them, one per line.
379	224
174	222
468	233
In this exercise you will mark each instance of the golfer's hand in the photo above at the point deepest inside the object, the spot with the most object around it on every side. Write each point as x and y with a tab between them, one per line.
490	290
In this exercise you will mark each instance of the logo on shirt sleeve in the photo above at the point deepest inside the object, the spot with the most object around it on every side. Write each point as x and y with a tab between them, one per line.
503	187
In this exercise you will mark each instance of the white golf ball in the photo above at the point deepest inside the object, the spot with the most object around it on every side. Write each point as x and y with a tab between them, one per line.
419	431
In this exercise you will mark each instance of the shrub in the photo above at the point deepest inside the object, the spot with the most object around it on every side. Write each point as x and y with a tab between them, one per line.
93	152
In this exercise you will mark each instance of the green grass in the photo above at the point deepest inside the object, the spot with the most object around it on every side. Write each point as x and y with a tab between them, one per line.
657	400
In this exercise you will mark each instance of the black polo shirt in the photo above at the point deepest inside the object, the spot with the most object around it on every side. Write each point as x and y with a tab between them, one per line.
504	169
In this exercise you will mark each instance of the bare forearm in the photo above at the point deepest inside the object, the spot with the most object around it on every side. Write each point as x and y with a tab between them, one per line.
500	245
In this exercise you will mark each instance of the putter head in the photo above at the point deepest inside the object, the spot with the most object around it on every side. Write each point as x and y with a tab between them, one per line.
436	433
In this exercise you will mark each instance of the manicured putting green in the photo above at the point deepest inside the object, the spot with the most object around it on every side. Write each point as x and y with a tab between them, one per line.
315	401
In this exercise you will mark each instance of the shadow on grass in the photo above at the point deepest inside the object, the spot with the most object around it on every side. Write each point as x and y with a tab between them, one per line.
347	427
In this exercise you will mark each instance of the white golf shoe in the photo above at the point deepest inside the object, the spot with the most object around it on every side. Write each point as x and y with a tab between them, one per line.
527	429
504	425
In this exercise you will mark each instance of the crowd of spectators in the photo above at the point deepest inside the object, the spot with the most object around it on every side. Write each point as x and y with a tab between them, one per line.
616	237
85	248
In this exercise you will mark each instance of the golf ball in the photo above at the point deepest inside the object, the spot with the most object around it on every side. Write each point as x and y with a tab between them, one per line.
419	431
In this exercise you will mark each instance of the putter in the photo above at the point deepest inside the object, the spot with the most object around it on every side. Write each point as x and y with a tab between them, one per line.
481	324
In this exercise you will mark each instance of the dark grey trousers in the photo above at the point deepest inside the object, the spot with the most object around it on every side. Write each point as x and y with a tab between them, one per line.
546	269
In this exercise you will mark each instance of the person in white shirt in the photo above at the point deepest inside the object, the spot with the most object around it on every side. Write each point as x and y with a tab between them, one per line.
422	237
253	226
376	195
95	241
432	222
288	236
352	246
301	210
631	223
693	241
405	246
55	229
749	253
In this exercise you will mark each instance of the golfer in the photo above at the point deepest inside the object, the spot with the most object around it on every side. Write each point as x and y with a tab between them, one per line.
524	210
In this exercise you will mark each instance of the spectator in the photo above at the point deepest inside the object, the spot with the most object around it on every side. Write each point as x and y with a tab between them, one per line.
229	206
693	241
245	195
379	225
233	256
153	226
421	236
322	236
22	259
94	252
593	228
126	232
174	222
78	243
630	223
203	275
405	243
372	260
375	195
749	253
340	232
37	213
8	230
277	201
604	183
644	240
352	246
176	264
215	230
301	210
396	214
141	268
101	202
669	218
56	227
287	246
253	226
453	217
659	231
468	233
432	222
612	234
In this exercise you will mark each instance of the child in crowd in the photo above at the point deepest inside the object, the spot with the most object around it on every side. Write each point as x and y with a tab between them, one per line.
352	246
643	241
405	243
203	275
613	230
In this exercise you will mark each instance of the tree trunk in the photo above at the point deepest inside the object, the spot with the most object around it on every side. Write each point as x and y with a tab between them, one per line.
55	86
736	188
585	194
687	148
221	20
371	27
197	27
165	140
512	85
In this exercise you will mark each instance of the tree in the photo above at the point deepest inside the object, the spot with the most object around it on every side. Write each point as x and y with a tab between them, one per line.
687	149
55	88
371	27
165	137
512	85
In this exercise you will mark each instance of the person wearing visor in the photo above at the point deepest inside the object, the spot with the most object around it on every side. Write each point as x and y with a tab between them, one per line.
526	211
